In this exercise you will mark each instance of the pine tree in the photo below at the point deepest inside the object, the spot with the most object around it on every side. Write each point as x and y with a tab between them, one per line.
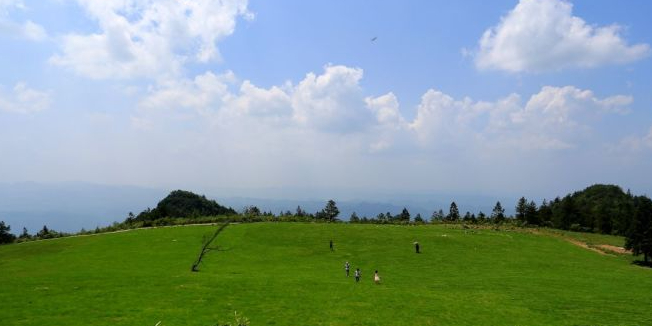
404	216
331	211
521	207
467	217
498	213
453	213
531	214
482	217
24	234
545	214
639	236
5	235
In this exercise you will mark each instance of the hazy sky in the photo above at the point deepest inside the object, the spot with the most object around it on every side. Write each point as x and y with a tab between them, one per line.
531	97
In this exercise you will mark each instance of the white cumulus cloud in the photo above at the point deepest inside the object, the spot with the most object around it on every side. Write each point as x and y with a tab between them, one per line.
148	38
23	99
554	118
543	35
332	101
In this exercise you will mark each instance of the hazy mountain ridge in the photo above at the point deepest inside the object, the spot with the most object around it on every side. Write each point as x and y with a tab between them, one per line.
71	206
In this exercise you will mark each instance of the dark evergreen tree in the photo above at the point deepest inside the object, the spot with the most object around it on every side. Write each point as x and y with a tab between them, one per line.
639	236
25	234
418	219
404	217
300	212
467	217
46	233
331	211
5	235
545	214
251	211
531	214
453	213
521	207
498	213
482	218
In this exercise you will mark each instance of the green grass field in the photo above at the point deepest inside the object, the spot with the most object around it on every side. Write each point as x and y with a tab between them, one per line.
284	274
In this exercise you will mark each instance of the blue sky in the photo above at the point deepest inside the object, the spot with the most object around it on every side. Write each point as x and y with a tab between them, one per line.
532	97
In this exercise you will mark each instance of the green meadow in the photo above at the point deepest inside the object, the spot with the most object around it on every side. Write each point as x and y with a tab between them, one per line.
285	274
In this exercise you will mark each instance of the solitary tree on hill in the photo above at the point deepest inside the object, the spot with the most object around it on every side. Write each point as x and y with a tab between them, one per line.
453	213
331	211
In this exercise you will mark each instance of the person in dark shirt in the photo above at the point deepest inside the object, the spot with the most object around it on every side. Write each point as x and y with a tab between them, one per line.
331	245
416	247
357	275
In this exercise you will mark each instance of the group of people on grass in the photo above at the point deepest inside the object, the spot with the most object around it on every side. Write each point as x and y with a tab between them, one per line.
358	272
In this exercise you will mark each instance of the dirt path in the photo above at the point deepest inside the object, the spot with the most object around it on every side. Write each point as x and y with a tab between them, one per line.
586	246
619	250
602	249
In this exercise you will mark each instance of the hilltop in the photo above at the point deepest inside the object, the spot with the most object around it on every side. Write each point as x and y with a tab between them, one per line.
284	274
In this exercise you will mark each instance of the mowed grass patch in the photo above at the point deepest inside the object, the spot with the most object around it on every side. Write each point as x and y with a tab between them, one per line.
285	274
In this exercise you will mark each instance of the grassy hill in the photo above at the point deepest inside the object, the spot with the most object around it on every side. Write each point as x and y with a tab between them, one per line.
284	274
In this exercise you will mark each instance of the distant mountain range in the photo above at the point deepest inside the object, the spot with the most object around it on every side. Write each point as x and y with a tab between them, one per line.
70	207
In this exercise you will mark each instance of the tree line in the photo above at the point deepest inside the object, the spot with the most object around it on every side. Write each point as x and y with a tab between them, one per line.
602	209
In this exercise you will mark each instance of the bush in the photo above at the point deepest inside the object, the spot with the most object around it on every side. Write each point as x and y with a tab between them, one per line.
575	227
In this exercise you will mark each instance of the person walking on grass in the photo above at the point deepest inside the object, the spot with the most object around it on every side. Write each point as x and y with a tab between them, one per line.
331	245
357	275
376	278
416	246
346	268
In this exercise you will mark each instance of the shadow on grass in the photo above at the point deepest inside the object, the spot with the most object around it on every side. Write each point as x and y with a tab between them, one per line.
643	263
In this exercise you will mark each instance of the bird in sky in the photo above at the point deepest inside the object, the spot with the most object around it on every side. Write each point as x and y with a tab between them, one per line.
374	38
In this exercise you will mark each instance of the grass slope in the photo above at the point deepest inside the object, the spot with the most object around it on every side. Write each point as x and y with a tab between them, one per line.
284	274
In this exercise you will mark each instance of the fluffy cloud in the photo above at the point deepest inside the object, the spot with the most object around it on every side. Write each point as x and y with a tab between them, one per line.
332	101
202	93
147	38
554	118
543	35
28	29
24	100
